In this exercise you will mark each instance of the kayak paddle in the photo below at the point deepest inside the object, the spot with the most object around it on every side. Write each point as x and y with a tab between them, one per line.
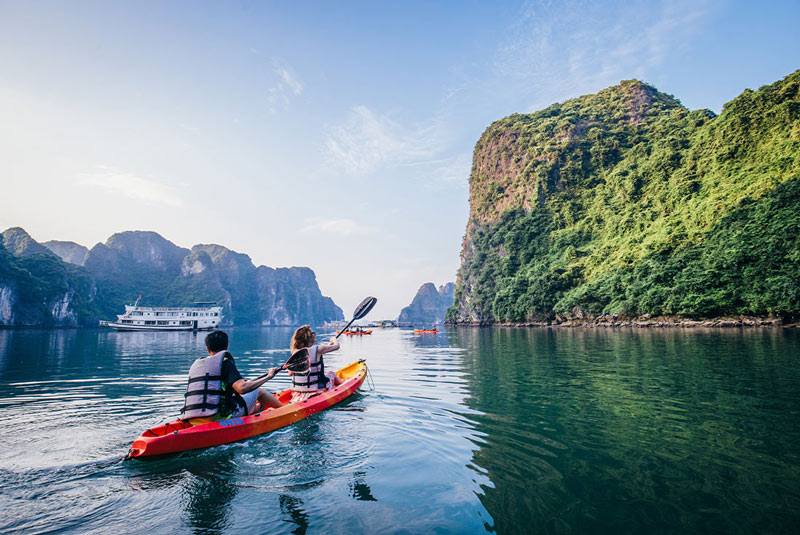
361	310
298	362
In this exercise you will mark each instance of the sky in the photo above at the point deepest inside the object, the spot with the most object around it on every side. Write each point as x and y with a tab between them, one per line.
333	135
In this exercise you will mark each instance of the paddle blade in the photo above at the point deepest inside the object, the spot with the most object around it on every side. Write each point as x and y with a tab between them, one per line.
299	362
364	307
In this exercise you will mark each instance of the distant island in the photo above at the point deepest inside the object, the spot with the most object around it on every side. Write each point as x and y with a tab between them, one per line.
626	208
429	305
64	284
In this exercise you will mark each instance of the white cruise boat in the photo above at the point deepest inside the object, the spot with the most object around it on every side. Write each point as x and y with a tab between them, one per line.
201	317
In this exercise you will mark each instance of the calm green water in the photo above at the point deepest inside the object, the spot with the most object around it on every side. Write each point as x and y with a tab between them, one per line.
467	431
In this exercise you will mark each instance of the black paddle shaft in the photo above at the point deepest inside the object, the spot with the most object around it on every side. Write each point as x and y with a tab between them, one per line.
361	310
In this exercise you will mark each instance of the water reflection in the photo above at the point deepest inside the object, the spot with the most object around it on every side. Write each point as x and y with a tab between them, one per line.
206	484
634	430
359	490
292	507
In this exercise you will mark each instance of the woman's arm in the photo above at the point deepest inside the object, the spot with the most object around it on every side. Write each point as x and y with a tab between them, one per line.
332	346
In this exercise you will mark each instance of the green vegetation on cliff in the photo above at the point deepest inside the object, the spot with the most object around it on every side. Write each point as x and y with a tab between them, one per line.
625	202
40	289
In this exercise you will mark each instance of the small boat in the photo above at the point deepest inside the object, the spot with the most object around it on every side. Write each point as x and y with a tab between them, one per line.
202	317
354	333
180	435
425	331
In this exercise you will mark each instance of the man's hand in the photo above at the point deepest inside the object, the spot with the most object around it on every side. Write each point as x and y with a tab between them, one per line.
272	372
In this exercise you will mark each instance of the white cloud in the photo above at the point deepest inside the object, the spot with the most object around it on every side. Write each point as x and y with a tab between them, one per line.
291	82
343	226
455	169
573	47
364	142
368	141
287	86
131	186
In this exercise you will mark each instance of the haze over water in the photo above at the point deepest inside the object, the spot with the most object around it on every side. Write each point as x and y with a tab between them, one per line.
466	431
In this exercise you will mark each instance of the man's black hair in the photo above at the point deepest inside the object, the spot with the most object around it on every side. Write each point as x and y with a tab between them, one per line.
217	341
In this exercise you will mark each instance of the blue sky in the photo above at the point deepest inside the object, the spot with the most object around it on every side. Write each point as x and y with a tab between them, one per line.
334	135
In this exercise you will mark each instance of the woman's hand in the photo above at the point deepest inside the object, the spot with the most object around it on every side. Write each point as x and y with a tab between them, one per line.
333	341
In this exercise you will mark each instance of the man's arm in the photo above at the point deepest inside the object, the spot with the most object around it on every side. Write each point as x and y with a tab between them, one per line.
243	386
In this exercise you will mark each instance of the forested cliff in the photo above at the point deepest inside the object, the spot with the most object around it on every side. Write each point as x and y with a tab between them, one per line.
65	284
625	203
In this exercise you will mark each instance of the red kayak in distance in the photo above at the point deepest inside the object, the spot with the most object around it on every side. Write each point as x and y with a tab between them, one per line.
348	333
180	435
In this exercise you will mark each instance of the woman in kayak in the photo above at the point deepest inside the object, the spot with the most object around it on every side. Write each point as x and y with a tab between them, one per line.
315	378
216	389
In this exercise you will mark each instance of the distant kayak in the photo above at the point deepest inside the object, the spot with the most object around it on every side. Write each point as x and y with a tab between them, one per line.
180	435
424	331
351	333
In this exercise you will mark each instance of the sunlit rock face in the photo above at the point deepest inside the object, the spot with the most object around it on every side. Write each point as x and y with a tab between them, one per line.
61	312
291	296
19	243
6	305
68	251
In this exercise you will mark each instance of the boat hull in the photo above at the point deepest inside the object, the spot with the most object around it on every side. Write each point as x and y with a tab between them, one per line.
118	327
180	435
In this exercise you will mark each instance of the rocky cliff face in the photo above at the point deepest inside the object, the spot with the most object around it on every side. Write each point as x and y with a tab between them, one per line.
291	296
429	305
253	295
68	251
626	203
39	288
237	275
133	263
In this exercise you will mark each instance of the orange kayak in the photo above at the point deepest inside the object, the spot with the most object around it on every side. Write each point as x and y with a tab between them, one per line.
180	435
348	333
423	331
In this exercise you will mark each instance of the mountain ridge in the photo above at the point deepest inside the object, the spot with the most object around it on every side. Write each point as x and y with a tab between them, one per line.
38	287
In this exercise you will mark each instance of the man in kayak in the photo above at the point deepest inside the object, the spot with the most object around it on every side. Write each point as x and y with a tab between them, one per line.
216	389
